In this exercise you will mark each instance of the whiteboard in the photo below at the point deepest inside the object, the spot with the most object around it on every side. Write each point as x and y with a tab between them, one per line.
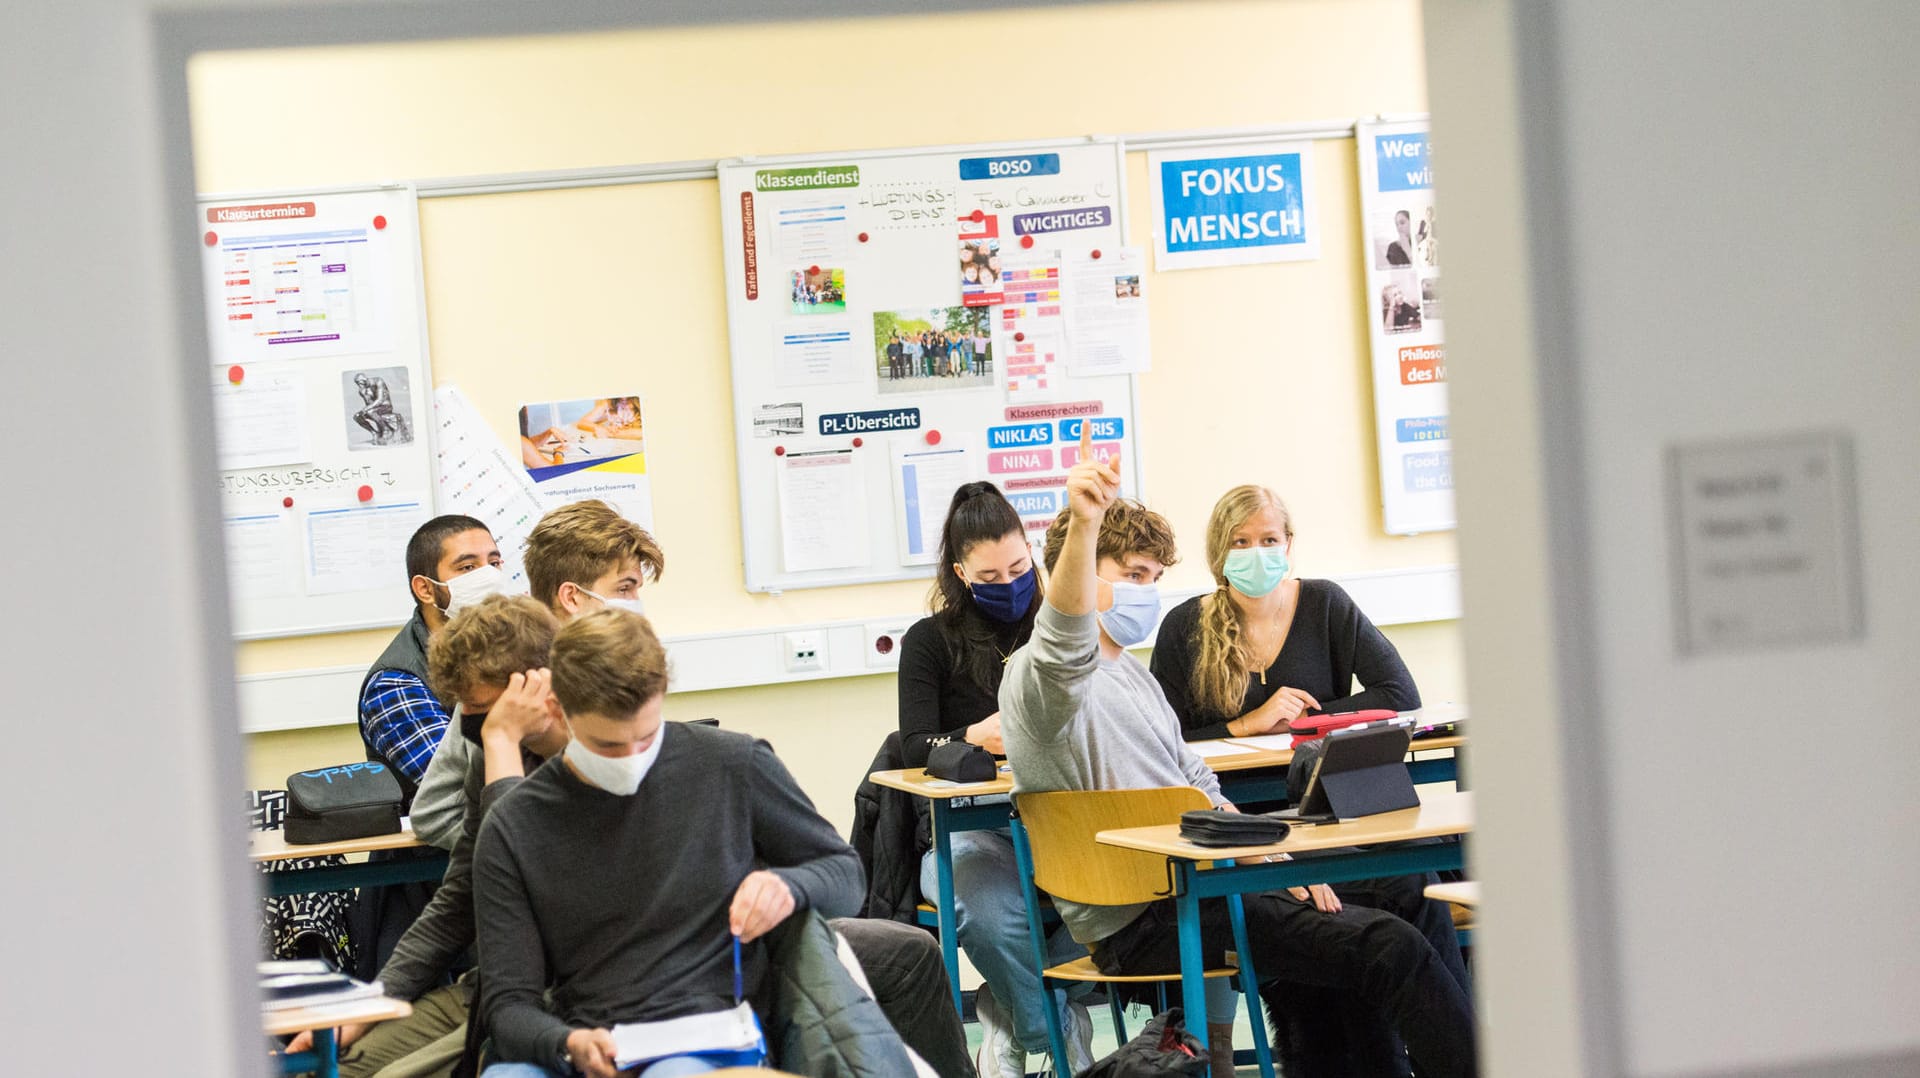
321	388
1401	252
847	452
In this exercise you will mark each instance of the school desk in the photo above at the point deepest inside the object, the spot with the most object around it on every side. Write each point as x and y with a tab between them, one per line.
1255	775
1462	893
1367	849
269	846
324	1058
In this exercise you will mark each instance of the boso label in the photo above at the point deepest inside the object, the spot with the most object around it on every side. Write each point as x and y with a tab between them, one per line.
1023	435
1106	428
1033	503
1000	168
870	422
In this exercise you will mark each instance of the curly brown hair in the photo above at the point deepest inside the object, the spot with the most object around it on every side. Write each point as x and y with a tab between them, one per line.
489	643
1129	528
582	542
608	663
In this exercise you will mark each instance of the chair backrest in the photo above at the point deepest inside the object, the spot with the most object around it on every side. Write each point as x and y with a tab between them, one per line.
1069	864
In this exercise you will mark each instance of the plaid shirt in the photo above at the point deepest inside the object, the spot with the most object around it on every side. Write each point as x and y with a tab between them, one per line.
402	720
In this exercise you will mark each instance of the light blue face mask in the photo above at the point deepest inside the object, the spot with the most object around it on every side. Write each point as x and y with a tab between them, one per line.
1136	610
1256	571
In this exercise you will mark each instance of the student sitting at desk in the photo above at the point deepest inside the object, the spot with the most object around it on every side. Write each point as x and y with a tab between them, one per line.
617	878
1079	713
1265	648
983	603
491	660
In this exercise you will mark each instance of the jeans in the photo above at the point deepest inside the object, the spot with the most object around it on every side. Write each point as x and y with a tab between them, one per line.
991	920
673	1067
1325	972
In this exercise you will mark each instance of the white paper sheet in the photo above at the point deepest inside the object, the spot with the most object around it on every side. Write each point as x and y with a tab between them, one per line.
1030	331
816	351
924	479
478	477
297	291
1106	312
262	561
823	510
813	232
1217	748
361	548
734	1030
262	422
1270	742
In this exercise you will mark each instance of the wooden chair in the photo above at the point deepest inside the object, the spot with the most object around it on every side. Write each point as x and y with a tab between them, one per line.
1054	848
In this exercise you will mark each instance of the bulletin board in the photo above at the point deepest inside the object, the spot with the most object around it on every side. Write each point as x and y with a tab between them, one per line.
321	389
901	323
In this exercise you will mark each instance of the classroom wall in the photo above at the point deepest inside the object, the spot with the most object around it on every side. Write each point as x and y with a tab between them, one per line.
1260	373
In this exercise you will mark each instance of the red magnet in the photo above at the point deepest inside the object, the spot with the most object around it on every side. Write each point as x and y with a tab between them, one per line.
779	450
379	221
933	437
235	373
813	271
286	503
212	238
977	215
863	237
1096	252
857	443
366	494
1019	336
1026	241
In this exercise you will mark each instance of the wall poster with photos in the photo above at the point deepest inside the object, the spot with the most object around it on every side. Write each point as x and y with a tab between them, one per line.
317	366
899	324
1402	257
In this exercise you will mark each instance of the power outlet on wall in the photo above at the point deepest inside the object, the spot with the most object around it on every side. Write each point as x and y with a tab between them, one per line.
803	652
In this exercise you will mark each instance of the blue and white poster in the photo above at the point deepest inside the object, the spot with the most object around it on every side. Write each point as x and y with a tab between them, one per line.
1402	257
1217	209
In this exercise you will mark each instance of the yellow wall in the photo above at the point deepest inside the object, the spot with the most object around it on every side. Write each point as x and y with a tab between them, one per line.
1261	373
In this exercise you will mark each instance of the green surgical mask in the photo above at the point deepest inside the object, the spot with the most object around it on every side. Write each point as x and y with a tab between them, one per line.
1255	571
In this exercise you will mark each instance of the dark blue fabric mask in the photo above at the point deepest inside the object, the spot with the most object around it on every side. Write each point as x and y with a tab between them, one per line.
1008	602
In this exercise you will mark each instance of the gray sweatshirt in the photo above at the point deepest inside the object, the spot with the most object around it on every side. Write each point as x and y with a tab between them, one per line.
1075	721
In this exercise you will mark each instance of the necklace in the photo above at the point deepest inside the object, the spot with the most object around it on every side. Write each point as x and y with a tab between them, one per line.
1275	627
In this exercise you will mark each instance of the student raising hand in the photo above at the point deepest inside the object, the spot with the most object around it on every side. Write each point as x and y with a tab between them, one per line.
1092	484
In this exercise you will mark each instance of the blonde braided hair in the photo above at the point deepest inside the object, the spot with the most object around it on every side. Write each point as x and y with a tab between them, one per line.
1222	664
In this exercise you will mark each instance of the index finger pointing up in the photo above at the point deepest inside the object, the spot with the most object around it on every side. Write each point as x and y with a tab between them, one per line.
1086	438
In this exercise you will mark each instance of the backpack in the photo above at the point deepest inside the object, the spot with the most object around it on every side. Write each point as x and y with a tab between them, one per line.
1163	1047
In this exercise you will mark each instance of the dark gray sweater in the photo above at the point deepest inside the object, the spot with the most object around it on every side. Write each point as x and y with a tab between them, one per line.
619	904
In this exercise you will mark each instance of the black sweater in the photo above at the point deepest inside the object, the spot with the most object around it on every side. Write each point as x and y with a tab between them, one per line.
620	903
938	697
1329	644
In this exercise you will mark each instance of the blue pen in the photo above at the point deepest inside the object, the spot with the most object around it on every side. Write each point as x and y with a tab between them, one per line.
739	987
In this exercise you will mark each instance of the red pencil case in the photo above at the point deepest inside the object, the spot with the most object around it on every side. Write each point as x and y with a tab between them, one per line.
1308	727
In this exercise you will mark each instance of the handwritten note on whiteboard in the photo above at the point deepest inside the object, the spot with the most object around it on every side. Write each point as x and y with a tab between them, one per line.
823	510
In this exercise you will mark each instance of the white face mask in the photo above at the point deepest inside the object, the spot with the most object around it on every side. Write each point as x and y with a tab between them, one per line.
631	606
615	774
467	589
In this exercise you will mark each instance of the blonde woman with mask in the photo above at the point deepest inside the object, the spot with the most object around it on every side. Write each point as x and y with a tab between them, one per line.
1266	647
1262	649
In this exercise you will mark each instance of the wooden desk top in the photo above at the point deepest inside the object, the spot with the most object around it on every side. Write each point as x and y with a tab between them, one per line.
916	781
292	1020
1466	892
1440	813
272	845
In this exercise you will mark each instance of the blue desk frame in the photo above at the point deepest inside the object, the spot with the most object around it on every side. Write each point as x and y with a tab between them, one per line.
302	881
1265	784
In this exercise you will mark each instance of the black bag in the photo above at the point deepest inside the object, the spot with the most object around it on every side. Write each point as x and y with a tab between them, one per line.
1212	827
333	804
962	761
1163	1047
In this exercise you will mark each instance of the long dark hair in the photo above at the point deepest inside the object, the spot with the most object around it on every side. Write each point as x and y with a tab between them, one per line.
978	514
